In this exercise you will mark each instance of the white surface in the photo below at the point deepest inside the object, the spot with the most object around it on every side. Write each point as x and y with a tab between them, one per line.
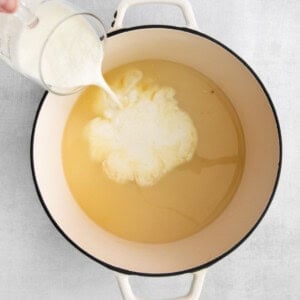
35	260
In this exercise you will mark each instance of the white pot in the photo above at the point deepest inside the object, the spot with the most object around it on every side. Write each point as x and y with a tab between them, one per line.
262	165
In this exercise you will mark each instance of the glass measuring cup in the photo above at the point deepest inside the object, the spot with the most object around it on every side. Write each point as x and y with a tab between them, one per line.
39	22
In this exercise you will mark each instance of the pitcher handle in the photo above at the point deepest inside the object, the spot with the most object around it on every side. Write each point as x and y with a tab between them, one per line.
194	293
184	5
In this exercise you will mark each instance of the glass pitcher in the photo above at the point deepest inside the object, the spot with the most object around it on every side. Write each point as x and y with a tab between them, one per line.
32	17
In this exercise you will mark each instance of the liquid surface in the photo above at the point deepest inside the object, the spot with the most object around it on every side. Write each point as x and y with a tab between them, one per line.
145	139
185	200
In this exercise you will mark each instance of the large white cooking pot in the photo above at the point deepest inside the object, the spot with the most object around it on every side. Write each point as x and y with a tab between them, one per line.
189	47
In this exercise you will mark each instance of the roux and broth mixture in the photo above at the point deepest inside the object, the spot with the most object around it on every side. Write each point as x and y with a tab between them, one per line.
184	200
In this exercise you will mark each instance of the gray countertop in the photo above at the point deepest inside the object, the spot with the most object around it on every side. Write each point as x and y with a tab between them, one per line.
35	260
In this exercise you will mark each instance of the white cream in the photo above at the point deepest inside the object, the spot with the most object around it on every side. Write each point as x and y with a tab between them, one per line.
146	139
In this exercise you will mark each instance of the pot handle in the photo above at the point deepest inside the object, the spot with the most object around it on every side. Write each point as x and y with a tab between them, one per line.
184	5
194	293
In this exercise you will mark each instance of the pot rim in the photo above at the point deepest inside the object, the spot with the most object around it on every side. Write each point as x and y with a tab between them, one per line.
234	247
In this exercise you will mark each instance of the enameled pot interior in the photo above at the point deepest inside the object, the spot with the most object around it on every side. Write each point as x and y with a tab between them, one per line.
256	187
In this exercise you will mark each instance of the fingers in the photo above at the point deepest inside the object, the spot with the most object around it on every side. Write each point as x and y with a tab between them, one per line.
8	6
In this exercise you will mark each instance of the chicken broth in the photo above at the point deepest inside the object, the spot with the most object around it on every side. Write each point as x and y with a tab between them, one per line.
180	201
